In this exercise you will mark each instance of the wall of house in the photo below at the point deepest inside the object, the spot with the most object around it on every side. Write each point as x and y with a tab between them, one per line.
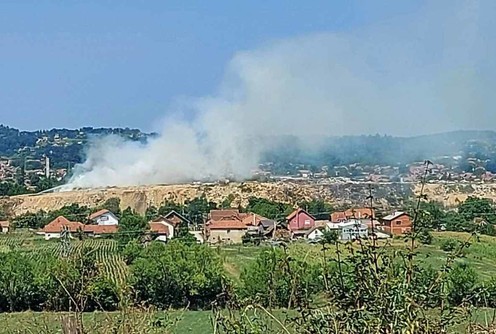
169	227
198	235
400	225
301	221
353	233
107	219
315	234
176	219
49	236
162	238
226	236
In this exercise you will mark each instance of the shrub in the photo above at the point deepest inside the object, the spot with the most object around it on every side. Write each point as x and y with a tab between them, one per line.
425	237
176	275
449	245
276	280
462	284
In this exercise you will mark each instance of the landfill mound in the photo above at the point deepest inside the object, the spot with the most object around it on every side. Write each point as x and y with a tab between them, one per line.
387	196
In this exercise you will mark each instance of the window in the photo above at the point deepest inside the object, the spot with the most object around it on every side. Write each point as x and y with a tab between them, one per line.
398	222
307	222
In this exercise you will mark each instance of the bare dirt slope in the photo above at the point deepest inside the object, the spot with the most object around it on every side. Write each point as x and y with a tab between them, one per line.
140	197
388	196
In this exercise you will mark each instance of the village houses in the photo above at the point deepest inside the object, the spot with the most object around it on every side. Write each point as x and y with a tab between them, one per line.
230	226
165	227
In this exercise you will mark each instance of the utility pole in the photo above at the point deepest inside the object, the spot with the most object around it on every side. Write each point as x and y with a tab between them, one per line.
66	242
372	226
370	197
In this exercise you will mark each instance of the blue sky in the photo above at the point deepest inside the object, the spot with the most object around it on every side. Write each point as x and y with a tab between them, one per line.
124	63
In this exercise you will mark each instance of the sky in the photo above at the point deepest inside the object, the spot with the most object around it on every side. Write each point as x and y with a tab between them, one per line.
396	67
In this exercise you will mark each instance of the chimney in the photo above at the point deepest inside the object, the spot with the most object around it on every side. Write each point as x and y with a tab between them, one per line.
47	167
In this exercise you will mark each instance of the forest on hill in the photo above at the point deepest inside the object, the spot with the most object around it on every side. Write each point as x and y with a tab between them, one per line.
64	146
67	147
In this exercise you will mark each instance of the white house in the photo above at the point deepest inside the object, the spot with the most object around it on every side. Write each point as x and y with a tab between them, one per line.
103	217
55	228
351	229
163	226
315	233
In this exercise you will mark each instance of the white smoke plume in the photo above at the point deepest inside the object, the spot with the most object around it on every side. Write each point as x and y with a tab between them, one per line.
426	72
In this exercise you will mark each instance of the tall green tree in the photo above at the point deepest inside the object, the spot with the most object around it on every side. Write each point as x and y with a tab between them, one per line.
267	208
198	208
131	227
475	207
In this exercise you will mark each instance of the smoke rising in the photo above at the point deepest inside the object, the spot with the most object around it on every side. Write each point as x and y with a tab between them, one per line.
425	72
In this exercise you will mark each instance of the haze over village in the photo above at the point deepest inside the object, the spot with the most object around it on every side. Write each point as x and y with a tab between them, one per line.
239	168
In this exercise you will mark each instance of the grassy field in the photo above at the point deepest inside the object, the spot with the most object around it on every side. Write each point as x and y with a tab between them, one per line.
481	256
196	322
177	322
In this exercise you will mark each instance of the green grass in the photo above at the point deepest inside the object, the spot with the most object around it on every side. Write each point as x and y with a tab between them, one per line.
99	322
180	322
481	256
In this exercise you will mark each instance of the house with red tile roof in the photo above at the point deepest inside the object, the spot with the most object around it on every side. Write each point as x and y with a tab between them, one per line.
230	225
177	218
55	228
354	213
162	228
225	214
226	231
338	217
397	223
99	230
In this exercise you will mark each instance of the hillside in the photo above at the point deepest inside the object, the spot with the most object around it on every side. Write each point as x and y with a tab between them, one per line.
389	196
63	146
66	147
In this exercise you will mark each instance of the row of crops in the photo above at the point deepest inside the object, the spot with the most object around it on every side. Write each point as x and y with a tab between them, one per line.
106	251
12	242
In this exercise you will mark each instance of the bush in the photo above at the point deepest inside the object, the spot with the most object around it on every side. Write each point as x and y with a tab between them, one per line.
276	280
177	275
462	284
425	237
103	295
450	245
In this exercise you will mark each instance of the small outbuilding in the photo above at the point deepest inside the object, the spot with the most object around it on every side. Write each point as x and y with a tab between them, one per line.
5	226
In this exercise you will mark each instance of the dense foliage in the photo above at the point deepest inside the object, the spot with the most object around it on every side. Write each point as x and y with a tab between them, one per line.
273	280
269	209
177	275
56	284
475	214
20	145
